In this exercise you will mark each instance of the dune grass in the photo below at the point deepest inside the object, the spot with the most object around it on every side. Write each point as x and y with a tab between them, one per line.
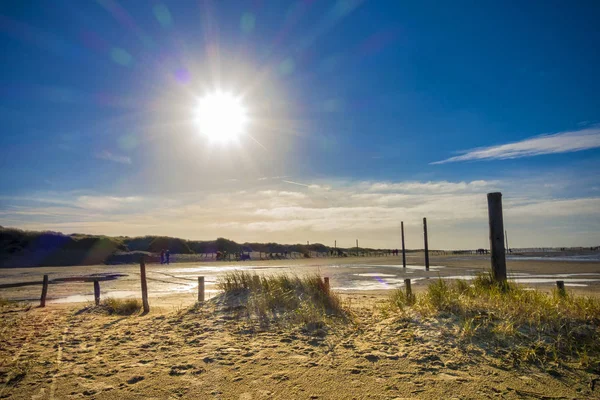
523	325
303	300
114	306
4	302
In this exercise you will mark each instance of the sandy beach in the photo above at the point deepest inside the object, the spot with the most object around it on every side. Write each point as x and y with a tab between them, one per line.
298	199
61	352
179	350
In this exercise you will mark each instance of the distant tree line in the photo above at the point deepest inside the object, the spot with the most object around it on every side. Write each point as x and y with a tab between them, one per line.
20	248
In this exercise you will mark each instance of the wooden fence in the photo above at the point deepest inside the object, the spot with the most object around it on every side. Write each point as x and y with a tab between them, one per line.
498	260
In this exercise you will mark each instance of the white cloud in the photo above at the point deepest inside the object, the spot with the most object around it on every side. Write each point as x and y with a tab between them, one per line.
370	211
556	208
562	142
107	155
432	187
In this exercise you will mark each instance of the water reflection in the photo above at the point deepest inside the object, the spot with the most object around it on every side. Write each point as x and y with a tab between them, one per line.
345	278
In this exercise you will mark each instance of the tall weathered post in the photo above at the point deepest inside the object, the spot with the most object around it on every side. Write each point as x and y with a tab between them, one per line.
44	291
403	249
145	303
498	256
426	245
357	247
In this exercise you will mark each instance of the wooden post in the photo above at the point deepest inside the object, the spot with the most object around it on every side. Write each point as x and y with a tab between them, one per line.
44	291
97	292
326	282
145	303
200	289
498	256
560	285
506	236
408	289
426	245
403	250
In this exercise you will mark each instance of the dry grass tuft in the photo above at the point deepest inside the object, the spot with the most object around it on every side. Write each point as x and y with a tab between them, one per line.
298	300
4	302
113	306
523	325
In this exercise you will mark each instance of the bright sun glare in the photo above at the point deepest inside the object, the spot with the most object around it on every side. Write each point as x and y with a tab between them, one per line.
221	116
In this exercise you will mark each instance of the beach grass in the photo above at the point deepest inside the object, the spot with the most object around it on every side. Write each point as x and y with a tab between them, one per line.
521	324
304	300
113	306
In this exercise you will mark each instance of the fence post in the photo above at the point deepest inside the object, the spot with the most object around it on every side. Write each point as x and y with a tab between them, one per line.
96	292
498	256
408	290
44	291
403	250
326	282
426	245
200	289
560	285
145	303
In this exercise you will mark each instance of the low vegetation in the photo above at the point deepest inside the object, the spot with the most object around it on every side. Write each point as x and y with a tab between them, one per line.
524	325
114	306
20	248
297	300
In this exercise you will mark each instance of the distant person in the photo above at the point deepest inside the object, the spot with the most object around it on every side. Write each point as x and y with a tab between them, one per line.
168	255
162	256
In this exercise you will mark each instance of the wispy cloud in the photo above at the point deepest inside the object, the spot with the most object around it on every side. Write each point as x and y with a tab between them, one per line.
432	187
562	142
535	215
108	203
295	183
107	155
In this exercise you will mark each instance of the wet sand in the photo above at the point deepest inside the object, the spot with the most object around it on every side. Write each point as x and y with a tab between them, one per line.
176	284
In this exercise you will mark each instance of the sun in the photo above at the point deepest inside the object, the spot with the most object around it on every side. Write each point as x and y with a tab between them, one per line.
221	116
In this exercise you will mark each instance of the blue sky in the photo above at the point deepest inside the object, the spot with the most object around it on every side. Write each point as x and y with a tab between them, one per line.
363	113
